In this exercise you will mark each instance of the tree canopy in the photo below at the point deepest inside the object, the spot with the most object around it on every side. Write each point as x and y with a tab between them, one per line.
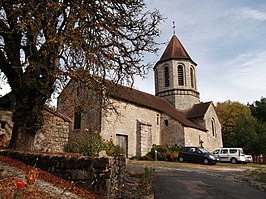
228	113
242	126
258	109
44	42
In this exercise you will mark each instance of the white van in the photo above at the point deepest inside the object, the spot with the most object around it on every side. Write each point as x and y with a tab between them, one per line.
233	155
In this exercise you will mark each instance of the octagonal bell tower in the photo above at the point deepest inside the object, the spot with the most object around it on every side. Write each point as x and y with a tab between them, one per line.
175	76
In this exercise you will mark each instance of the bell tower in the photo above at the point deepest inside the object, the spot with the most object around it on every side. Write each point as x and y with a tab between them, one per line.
175	76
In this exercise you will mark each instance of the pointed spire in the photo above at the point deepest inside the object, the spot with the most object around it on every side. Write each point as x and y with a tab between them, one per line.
175	50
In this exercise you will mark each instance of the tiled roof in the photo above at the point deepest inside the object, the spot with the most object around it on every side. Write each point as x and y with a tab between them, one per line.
57	113
150	101
198	110
175	50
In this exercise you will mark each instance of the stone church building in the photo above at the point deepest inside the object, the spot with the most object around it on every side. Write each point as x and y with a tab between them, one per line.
174	115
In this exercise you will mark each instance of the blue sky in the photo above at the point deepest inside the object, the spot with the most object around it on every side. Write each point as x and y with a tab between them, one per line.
226	38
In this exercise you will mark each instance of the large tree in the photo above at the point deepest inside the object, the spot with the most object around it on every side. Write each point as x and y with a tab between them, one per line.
240	128
229	113
44	41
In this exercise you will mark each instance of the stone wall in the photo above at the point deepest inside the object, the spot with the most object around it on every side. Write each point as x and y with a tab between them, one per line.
172	132
76	98
193	137
126	124
53	135
214	136
6	124
103	176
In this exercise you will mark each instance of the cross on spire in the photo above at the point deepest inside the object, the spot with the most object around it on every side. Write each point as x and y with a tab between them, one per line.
174	27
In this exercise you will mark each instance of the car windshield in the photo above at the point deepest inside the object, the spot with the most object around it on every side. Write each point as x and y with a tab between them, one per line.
203	150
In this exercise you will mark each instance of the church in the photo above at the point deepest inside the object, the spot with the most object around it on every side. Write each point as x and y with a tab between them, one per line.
174	115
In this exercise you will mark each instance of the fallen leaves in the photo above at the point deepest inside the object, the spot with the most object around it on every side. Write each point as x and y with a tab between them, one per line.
7	187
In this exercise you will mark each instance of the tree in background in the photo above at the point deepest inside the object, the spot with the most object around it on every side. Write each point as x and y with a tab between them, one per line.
228	113
261	132
240	128
245	135
45	42
258	109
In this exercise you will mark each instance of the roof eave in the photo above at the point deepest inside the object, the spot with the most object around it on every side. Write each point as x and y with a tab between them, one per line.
180	59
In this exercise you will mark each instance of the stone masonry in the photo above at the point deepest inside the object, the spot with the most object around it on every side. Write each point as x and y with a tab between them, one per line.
53	135
6	125
103	176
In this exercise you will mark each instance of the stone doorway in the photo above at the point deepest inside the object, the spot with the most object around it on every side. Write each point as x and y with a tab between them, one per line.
144	138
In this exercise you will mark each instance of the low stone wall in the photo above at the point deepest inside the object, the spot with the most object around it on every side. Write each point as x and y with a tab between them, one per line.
103	176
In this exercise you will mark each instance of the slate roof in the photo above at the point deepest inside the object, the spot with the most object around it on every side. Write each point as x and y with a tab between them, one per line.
175	50
150	101
198	110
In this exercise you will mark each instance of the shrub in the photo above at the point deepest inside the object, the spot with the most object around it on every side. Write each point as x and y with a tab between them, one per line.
112	149
146	181
72	148
93	146
164	153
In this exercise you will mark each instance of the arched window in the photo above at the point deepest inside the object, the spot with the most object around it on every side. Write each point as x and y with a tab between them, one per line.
213	128
180	71
77	119
192	77
166	76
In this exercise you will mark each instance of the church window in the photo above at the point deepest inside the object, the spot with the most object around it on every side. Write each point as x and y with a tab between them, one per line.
158	119
213	127
166	76
192	77
180	71
77	120
166	122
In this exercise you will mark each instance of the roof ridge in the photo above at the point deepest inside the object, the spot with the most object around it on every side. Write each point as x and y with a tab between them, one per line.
151	101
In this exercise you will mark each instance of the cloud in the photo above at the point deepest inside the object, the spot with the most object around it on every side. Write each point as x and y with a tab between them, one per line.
247	71
241	79
250	13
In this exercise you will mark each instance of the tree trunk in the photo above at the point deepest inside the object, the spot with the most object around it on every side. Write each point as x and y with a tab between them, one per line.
27	120
22	138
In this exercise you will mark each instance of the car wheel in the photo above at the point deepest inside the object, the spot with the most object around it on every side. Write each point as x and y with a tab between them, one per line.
181	159
205	161
233	161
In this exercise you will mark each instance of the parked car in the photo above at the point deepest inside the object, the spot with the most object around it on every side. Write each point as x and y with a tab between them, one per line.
233	155
197	155
249	158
